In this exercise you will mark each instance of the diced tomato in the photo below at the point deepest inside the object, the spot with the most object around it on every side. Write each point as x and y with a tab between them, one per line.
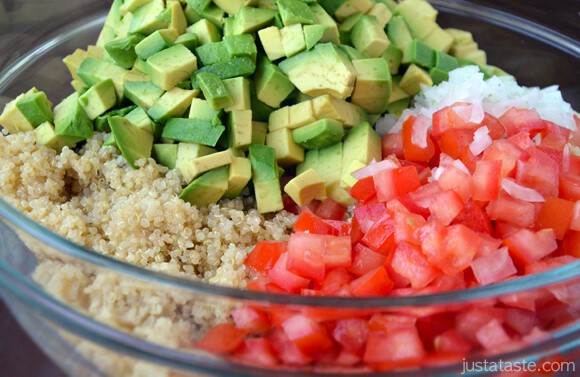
488	245
367	215
306	255
470	320
493	268
451	342
507	153
393	144
285	349
373	283
338	252
363	189
290	205
256	352
365	260
539	172
308	335
569	184
287	280
453	117
388	322
307	221
392	183
397	348
418	200
556	214
511	210
251	320
571	244
526	246
486	180
522	140
409	262
521	320
553	146
417	143
455	142
516	120
496	129
445	206
338	228
406	223
352	334
264	256
492	335
445	283
330	209
457	180
222	338
473	217
348	358
381	235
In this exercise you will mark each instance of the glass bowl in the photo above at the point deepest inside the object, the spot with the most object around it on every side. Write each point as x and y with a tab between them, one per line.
56	312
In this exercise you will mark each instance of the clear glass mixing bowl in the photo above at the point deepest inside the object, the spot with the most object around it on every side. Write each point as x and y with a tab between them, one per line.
85	345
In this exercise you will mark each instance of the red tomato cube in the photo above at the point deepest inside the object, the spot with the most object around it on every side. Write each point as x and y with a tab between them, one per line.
373	283
381	235
330	209
494	267
222	338
365	260
252	321
492	335
264	256
527	246
306	255
409	262
352	334
486	180
451	342
308	335
287	280
256	352
398	348
556	213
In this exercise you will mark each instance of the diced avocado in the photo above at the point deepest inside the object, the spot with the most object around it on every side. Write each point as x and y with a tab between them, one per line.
301	114
92	71
170	66
133	142
172	104
319	134
439	40
397	93
178	20
413	8
155	42
148	18
73	62
268	196
260	111
199	5
420	54
310	161
331	6
239	90
193	131
295	12
272	85
265	178
131	5
240	173
45	135
101	123
230	6
112	21
490	70
362	143
189	40
214	90
445	62
211	53
215	15
207	189
293	39
330	163
345	10
323	18
438	75
122	50
71	123
279	119
347	180
288	153
259	131
382	13
241	45
165	154
393	55
323	70
202	109
339	194
191	15
369	37
397	107
461	50
353	53
420	26
240	128
460	36
347	25
205	31
139	118
35	107
243	66
373	85
78	86
313	34
345	112
187	152
249	20
199	165
478	57
143	93
306	187
271	40
413	78
98	99
398	32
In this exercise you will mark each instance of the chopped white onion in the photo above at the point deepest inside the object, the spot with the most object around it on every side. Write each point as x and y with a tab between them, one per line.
420	130
481	141
461	166
374	168
566	158
385	124
518	191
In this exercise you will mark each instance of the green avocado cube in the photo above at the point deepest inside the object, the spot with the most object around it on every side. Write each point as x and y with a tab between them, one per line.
259	132
189	40
295	12
207	189
211	53
347	25
263	159
187	152
193	131
143	93
445	62
260	111
35	107
230	6
202	109
240	128
319	134
249	20
397	107
362	143
293	39
413	78
215	15
420	54
98	99
139	118
382	13
133	142
352	53
288	153
323	18
122	50
149	17
330	164
205	31
101	123
243	66
241	45
272	85
310	161
373	85
369	37
331	6
45	135
439	40
394	56
170	66
199	5
398	32
165	154
271	40
240	173
172	104
71	123
313	34
214	90
92	71
438	75
239	89
155	42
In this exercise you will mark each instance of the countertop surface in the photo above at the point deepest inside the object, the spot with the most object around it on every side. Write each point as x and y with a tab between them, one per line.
19	356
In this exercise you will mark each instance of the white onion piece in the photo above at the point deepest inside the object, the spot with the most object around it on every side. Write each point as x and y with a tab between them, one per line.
481	141
520	192
374	168
461	166
445	160
385	124
420	129
566	158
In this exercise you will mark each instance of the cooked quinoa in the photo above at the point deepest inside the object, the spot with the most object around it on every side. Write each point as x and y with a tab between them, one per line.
92	197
